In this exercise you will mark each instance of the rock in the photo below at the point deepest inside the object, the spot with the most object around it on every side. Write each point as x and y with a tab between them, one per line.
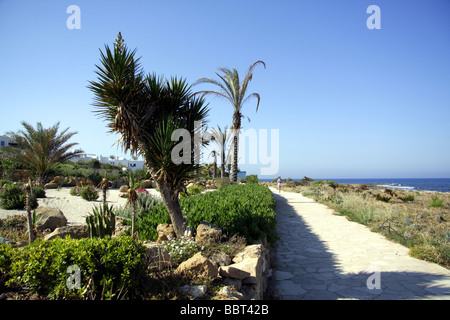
445	236
51	185
251	251
4	240
49	218
225	291
188	233
207	232
123	188
249	270
195	291
220	258
20	244
235	283
165	232
157	257
234	271
120	228
74	232
147	184
407	221
199	265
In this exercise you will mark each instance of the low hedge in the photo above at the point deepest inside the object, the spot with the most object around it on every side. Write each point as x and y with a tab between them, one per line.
107	267
247	210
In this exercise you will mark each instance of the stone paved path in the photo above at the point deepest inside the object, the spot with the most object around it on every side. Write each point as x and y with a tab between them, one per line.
321	256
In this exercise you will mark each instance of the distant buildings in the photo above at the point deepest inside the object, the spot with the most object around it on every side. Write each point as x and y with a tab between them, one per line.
133	165
5	141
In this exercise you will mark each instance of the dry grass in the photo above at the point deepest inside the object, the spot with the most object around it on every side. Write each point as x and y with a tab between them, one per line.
418	220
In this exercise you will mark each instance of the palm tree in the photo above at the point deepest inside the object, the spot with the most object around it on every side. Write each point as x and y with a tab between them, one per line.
214	154
221	139
40	149
234	91
146	110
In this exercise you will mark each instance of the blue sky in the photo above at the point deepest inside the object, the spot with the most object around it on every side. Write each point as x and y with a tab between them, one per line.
347	101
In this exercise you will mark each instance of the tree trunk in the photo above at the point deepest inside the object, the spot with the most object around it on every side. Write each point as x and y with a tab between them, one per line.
29	195
222	168
174	209
235	132
234	160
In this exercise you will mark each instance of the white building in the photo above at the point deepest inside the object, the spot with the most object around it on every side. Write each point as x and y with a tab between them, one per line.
5	141
133	165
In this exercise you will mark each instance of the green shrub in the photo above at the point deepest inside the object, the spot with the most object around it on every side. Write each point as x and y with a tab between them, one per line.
144	204
108	267
195	189
95	178
89	193
39	192
383	198
246	210
253	178
407	198
75	191
222	183
101	222
5	181
13	197
333	184
436	202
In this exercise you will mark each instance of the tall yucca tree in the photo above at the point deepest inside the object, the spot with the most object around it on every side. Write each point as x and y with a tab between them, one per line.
230	88
145	110
40	149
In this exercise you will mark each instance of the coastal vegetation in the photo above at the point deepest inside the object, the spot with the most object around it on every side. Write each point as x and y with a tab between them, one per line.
417	219
247	210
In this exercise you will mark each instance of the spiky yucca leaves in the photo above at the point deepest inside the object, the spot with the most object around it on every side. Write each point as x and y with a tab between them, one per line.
40	149
234	91
145	111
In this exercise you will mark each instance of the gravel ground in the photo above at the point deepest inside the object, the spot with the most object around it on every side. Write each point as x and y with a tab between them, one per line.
74	208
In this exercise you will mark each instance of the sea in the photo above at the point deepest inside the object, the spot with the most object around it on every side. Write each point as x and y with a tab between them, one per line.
416	184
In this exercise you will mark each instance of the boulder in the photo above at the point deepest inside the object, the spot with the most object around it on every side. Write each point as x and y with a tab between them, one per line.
74	232
147	184
165	232
251	251
234	271
120	228
200	265
195	291
123	188
51	185
248	270
207	232
49	218
220	258
157	257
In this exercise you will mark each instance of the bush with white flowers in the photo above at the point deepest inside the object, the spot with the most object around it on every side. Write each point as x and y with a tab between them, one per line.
181	249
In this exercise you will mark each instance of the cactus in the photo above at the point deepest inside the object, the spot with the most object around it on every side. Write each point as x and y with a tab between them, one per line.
102	222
